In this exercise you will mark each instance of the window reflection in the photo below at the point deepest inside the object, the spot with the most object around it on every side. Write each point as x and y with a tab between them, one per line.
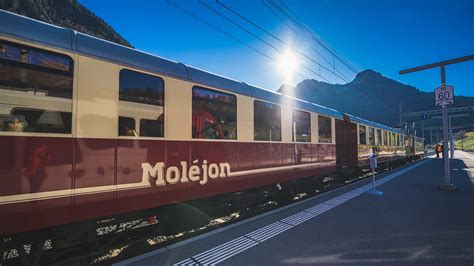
31	78
127	127
141	99
214	114
267	121
379	137
301	126
324	129
371	136
362	135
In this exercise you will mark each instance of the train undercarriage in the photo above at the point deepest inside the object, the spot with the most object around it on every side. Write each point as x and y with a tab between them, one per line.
109	239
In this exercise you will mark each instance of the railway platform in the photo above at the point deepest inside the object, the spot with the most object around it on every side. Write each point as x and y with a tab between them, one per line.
412	223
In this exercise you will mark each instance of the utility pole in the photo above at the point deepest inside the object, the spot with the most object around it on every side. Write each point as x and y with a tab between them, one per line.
447	170
442	65
451	141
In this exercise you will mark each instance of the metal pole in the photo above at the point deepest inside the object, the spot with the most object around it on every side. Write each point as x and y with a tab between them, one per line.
373	179
451	139
447	172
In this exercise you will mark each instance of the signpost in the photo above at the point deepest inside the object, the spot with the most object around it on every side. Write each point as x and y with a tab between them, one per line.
373	165
444	95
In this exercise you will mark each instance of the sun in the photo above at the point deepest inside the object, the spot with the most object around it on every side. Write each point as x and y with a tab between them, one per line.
287	66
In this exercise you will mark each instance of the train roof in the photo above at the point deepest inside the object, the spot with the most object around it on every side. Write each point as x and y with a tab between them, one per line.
47	34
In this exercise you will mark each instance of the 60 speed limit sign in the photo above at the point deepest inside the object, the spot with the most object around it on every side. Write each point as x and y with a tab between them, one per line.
444	95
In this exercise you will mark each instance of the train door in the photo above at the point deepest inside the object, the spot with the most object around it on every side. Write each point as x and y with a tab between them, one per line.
346	144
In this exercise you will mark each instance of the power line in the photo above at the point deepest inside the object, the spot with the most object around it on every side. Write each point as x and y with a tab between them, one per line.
315	36
218	29
44	12
282	42
228	35
257	37
278	16
291	11
236	24
312	48
306	28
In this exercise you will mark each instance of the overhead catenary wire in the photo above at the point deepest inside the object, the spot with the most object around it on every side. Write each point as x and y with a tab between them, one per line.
44	12
315	36
227	34
259	38
236	24
305	28
312	48
281	41
278	16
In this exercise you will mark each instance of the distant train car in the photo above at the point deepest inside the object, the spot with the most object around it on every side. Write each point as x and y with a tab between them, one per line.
92	129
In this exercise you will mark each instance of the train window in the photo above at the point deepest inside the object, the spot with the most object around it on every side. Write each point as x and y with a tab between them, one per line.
141	88
385	138
141	95
37	120
31	57
267	121
127	127
151	128
301	126
324	129
379	137
371	136
362	135
30	77
394	142
214	114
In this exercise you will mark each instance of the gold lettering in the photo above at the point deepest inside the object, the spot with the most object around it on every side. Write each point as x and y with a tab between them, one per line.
213	171
184	170
172	175
204	173
155	171
225	169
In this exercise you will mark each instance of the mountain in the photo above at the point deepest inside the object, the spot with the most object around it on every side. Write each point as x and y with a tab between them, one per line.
375	97
65	13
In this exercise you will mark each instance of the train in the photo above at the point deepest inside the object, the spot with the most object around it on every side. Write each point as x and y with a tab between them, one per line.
90	130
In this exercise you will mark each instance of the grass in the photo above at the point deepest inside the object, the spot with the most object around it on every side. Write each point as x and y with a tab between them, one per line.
466	142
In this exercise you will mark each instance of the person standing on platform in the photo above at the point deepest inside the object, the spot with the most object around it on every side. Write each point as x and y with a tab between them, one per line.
437	150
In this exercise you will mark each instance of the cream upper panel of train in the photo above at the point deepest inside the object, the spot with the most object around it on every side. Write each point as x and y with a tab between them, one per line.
86	87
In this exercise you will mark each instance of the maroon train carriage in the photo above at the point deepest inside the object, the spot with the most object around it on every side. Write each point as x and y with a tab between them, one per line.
91	131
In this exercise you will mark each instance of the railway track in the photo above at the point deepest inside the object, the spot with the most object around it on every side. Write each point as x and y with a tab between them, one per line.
121	240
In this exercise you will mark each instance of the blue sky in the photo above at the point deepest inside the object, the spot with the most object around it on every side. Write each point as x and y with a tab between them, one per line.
384	35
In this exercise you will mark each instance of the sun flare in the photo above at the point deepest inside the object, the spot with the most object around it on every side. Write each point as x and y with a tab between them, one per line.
287	65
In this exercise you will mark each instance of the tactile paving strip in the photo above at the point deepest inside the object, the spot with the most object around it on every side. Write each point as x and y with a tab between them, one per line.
240	244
